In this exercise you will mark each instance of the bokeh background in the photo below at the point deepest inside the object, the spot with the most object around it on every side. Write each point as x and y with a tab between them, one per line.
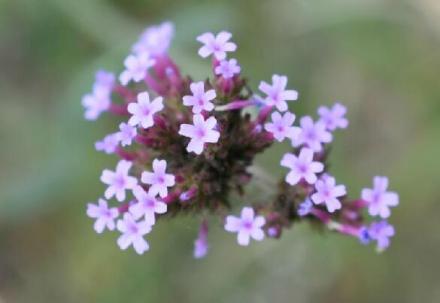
379	57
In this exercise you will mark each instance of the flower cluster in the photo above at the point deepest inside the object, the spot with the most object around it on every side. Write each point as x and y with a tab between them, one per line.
185	146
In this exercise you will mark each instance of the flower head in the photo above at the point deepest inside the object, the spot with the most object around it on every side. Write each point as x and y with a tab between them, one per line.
147	206
133	234
200	132
301	167
227	68
108	144
136	68
118	181
105	216
312	135
200	100
158	180
281	126
328	192
247	226
143	110
305	208
126	133
381	232
155	40
379	199
277	95
334	117
216	45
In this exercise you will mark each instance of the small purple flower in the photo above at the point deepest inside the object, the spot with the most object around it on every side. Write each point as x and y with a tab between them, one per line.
126	133
143	110
158	180
247	226
328	192
118	181
277	95
155	40
133	234
104	79
216	45
379	199
200	132
227	68
108	144
381	232
281	126
136	68
96	103
301	167
147	206
334	117
305	208
312	135
201	243
200	100
105	216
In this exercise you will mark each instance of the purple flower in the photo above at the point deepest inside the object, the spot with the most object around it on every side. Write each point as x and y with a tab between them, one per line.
200	132
200	100
364	235
334	117
379	199
158	180
136	68
301	167
277	95
118	181
281	126
147	206
104	79
126	133
381	232
133	234
155	40
327	192
227	68
105	216
305	208
108	144
216	45
143	110
96	103
201	243
247	226
312	135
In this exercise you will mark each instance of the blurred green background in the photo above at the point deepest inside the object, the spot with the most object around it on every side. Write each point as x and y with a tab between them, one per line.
379	57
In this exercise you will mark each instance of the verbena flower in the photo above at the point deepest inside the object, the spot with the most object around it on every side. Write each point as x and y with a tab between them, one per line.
187	147
247	226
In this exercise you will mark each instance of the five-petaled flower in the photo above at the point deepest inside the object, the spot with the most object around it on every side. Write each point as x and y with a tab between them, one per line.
281	126
136	68
147	206
301	167
247	226
108	144
227	68
277	95
200	100
144	110
216	45
105	216
333	117
158	180
381	232
133	233
200	132
328	192
379	199
312	135
155	40
118	181
126	133
96	103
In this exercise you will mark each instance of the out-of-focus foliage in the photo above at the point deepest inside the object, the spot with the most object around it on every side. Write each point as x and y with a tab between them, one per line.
380	58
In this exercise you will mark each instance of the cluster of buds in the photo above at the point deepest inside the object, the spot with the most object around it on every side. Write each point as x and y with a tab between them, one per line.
186	146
